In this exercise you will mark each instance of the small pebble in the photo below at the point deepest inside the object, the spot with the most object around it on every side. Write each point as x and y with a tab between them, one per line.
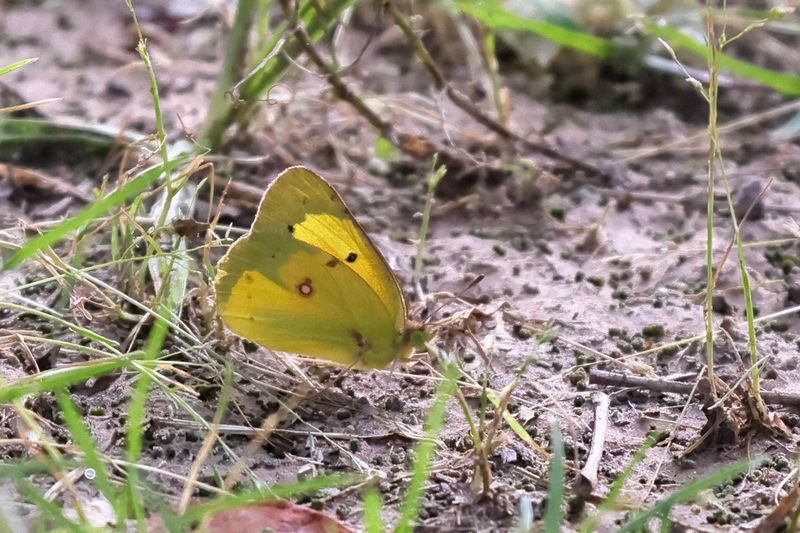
394	403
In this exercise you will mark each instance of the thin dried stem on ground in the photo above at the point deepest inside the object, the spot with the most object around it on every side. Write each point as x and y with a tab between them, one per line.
732	241
657	384
416	145
412	145
463	102
776	520
637	367
586	482
22	178
666	448
730	127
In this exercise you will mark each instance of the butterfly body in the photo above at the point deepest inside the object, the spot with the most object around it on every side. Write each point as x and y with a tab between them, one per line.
307	279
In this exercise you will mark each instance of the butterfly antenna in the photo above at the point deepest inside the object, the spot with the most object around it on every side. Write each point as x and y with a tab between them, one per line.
457	296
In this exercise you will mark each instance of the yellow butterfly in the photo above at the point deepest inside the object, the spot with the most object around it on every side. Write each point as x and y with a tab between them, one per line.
307	279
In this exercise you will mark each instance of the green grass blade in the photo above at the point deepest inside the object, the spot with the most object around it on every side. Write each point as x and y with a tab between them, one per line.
17	64
515	426
79	330
424	452
46	507
373	523
174	205
136	412
269	68
96	209
687	493
60	378
495	16
268	494
589	523
31	467
84	441
161	132
235	55
437	173
555	489
20	133
88	350
785	83
11	518
525	516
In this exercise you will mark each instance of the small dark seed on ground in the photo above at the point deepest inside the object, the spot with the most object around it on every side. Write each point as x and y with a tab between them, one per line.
720	305
529	289
394	403
779	326
597	281
317	505
577	376
653	331
793	293
522	332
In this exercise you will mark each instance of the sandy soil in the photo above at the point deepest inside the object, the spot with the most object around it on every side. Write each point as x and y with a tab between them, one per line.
617	266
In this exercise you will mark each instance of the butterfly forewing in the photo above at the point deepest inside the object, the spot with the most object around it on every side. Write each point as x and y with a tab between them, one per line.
306	279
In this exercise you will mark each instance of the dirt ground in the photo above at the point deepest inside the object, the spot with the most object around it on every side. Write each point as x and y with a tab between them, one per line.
616	264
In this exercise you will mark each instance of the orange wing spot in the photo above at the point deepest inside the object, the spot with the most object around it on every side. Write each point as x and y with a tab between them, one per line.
305	289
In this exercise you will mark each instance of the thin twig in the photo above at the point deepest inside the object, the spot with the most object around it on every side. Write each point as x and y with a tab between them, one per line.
618	379
267	427
694	139
776	519
334	79
465	104
741	223
636	367
668	444
586	482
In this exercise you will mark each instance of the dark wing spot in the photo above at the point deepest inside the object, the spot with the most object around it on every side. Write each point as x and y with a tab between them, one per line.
248	277
351	257
291	228
363	345
359	338
332	263
305	289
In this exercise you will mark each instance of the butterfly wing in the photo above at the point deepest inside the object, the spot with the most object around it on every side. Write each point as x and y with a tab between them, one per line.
307	279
